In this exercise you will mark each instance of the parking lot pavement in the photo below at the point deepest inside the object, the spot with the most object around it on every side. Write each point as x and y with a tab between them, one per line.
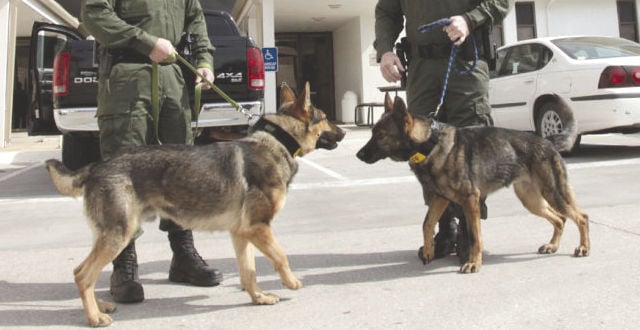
351	232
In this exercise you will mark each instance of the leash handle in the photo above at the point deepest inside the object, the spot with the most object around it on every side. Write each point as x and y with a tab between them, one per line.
452	56
430	26
214	87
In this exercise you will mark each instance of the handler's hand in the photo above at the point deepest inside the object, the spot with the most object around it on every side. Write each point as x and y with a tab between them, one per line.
161	50
390	67
458	30
206	72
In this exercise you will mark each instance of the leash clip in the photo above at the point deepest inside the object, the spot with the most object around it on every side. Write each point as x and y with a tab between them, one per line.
247	112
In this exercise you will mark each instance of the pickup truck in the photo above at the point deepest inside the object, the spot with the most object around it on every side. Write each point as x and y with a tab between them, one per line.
63	85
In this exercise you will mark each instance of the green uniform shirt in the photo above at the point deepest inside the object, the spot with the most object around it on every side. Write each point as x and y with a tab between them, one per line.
390	15
137	25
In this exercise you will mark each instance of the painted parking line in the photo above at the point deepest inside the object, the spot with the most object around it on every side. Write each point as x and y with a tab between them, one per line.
345	183
323	169
18	172
341	181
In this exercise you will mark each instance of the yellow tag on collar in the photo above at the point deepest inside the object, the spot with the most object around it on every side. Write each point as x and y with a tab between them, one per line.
417	158
297	153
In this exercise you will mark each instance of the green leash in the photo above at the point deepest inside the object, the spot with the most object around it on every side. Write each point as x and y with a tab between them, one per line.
155	102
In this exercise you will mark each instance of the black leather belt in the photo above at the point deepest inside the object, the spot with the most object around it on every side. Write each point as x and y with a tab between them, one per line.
442	51
131	57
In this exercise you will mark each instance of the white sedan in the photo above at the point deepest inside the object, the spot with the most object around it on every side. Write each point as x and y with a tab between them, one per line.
598	77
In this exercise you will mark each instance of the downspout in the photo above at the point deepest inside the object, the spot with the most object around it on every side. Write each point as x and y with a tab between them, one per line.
244	9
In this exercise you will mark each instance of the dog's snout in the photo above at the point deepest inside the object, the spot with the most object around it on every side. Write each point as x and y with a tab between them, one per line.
365	156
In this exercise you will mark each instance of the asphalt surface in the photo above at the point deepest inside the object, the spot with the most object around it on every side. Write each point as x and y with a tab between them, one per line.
351	232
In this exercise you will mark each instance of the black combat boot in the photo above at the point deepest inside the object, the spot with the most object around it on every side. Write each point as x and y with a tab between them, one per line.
463	241
187	265
447	236
125	287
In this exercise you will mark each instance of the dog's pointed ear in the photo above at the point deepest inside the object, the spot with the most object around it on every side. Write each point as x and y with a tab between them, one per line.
388	103
399	106
302	106
401	114
286	94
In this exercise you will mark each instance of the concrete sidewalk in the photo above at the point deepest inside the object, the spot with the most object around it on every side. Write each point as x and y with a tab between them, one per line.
25	149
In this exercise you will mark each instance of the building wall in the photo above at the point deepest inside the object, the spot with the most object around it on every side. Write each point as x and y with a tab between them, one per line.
347	64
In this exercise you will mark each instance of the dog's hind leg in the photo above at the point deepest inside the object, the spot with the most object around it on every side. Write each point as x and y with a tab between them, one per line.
437	206
560	196
582	221
571	210
532	199
247	268
86	275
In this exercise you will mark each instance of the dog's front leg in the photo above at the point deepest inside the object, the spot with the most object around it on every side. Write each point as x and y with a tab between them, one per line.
437	206
247	268
472	215
266	242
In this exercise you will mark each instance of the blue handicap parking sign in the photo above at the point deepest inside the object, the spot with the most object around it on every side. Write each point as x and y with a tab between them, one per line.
270	56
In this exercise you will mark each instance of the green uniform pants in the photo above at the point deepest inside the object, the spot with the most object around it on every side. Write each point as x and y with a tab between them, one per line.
124	108
125	111
466	101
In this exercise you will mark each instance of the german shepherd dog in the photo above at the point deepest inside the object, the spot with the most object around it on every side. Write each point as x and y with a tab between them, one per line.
464	165
236	186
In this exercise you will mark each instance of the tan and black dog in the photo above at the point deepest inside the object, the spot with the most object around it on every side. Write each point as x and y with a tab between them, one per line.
237	186
464	165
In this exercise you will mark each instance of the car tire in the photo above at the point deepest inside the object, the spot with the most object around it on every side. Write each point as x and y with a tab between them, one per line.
79	150
551	119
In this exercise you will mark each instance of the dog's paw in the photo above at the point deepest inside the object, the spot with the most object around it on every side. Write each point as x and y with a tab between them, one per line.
426	256
548	249
293	283
106	307
581	251
264	298
100	320
470	267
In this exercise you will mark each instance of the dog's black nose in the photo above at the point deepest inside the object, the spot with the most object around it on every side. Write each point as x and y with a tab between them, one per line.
362	155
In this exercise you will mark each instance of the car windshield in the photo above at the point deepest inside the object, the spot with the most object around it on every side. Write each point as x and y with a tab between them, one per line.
585	48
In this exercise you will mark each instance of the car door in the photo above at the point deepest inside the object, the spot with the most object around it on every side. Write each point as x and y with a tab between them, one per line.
513	89
46	41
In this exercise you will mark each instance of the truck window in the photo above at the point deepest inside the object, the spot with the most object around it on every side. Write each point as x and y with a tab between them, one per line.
220	27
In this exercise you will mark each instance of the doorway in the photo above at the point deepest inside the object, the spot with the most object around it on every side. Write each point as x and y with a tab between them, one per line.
308	57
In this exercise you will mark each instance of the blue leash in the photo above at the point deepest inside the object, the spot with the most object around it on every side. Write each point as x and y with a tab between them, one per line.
452	56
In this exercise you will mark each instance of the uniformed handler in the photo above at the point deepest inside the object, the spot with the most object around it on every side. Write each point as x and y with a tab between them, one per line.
133	34
467	97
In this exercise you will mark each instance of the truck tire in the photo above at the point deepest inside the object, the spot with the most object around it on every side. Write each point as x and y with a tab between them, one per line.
79	150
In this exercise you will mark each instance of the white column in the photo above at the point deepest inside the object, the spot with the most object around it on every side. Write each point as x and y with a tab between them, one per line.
269	40
6	69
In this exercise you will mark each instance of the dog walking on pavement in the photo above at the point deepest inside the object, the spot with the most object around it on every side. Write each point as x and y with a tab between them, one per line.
236	186
464	165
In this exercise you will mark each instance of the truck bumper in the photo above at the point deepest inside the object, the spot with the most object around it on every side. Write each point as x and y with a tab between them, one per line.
212	115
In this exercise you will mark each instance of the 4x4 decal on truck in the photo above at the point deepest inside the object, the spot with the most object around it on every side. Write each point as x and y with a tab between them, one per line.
234	77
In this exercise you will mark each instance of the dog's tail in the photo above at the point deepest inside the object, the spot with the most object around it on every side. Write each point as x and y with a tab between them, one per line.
68	182
565	140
